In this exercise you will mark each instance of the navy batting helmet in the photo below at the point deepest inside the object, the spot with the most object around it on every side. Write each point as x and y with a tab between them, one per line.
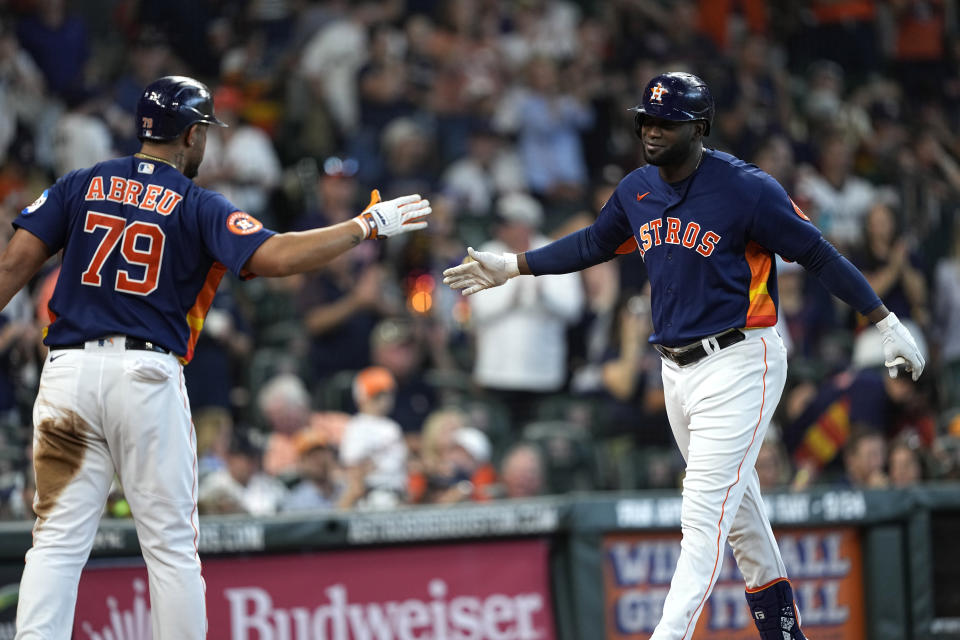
171	104
681	97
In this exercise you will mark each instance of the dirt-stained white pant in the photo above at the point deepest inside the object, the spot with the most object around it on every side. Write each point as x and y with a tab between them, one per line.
719	410
104	410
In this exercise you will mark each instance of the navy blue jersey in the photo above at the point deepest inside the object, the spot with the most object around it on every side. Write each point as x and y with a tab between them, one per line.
144	249
708	244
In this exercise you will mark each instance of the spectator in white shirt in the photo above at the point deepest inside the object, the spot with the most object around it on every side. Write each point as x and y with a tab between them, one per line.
241	161
372	450
521	348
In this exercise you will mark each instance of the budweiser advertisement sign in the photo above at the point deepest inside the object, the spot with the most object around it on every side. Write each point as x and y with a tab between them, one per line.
481	591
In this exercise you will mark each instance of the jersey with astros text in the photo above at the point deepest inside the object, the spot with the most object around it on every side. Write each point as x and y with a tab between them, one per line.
144	250
708	244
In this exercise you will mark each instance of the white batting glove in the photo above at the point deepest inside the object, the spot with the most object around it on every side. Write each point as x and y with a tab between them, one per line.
481	270
393	217
899	347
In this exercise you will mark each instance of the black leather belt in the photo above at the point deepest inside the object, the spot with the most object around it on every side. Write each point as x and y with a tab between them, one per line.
134	344
695	352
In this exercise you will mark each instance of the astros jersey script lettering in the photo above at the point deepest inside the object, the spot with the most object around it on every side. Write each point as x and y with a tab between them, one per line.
143	246
710	261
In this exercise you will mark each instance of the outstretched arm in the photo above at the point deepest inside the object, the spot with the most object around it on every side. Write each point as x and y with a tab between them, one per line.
591	245
20	260
574	252
843	280
298	251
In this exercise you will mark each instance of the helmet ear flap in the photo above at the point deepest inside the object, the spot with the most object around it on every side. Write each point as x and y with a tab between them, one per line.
638	125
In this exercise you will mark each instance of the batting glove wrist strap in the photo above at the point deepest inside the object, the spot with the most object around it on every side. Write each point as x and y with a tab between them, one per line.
887	324
382	219
510	264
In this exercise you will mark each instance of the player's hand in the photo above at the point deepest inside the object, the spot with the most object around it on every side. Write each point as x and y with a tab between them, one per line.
382	219
481	270
899	347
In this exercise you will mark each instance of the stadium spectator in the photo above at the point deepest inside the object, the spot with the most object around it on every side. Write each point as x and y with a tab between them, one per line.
240	160
843	31
520	327
455	462
427	462
149	58
318	485
776	157
60	45
773	463
214	428
929	181
946	324
839	199
892	265
80	139
864	398
755	97
18	338
330	62
407	152
284	404
716	16
241	487
372	451
22	99
397	345
491	166
340	304
224	343
335	196
864	456
547	121
904	463
522	472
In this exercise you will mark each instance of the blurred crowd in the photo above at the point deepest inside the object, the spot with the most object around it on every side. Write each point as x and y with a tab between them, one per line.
368	384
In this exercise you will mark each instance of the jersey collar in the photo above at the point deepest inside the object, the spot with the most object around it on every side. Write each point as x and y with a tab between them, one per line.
147	156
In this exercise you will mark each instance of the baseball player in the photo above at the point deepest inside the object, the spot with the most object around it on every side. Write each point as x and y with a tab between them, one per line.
708	225
144	249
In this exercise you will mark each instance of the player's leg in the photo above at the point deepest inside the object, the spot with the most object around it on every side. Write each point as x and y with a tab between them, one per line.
74	471
674	401
768	593
728	400
156	456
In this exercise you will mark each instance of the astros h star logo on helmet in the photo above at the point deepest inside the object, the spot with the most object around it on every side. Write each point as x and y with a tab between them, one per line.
656	93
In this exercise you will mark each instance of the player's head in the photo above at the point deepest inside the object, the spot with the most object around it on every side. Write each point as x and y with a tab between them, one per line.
679	103
167	111
678	97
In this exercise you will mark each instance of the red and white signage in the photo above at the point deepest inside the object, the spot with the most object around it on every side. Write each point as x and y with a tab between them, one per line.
479	591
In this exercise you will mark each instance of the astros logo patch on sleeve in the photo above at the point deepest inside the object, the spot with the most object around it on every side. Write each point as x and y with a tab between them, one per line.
243	224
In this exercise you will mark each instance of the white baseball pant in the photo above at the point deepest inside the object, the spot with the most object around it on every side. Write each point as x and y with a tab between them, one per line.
719	410
103	410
